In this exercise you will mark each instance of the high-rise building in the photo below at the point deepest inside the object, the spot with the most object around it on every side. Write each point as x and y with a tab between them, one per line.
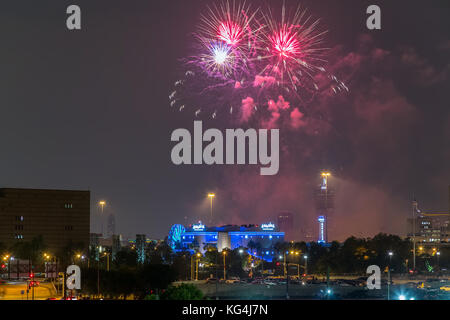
59	216
430	228
285	222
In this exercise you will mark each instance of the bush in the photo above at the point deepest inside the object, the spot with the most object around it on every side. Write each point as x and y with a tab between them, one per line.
182	292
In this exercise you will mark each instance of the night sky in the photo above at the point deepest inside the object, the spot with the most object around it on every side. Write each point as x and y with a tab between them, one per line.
89	109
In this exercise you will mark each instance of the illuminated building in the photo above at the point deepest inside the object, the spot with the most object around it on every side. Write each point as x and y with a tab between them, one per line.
430	227
260	240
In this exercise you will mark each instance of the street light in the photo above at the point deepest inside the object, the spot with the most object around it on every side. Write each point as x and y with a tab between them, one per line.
102	204
211	197
325	176
390	253
306	264
197	261
224	253
437	255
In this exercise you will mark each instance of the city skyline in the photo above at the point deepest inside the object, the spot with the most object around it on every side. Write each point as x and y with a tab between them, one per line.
90	111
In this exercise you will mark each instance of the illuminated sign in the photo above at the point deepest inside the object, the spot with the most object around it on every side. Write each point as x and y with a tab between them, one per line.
268	226
198	227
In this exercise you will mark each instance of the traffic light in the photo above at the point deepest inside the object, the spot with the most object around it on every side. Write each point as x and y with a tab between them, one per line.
3	266
31	275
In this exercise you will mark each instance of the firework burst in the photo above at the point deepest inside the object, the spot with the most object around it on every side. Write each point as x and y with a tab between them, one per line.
291	50
226	38
246	59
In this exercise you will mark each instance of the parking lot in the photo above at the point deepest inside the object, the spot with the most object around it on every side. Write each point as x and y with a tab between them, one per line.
336	289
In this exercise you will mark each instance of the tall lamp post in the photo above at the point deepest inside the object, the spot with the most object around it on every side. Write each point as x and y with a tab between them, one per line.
325	176
306	264
437	255
197	262
224	253
390	253
102	204
211	197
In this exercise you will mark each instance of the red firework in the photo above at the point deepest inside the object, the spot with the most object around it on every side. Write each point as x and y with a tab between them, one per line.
230	32
285	42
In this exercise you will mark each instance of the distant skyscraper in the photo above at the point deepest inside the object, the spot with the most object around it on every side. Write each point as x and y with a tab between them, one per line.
285	221
111	226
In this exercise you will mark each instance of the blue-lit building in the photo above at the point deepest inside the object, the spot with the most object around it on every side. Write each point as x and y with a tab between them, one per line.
260	240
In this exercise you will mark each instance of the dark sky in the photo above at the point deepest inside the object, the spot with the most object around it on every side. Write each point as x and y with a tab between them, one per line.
89	110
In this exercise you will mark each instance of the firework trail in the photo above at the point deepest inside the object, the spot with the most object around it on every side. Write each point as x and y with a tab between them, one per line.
248	60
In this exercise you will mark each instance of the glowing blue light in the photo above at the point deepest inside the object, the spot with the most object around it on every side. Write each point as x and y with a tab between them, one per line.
175	235
220	53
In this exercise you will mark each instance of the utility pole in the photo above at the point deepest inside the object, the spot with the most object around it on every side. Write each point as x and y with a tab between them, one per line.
98	276
414	207
389	284
224	266
217	279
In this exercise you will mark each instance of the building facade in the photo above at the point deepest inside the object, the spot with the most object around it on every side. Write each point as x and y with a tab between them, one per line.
260	240
430	228
61	217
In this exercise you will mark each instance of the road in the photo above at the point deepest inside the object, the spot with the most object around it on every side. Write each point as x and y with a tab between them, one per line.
14	290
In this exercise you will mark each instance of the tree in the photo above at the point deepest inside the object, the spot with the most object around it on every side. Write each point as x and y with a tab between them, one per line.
182	292
125	258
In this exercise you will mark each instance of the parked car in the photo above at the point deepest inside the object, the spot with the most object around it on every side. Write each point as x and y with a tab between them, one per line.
233	280
211	280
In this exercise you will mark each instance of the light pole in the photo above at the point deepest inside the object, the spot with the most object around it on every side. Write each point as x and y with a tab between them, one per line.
211	197
414	211
390	253
102	204
224	253
106	254
437	255
196	270
325	176
306	264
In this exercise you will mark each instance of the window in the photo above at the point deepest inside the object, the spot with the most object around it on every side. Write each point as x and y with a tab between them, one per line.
18	227
68	206
68	228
